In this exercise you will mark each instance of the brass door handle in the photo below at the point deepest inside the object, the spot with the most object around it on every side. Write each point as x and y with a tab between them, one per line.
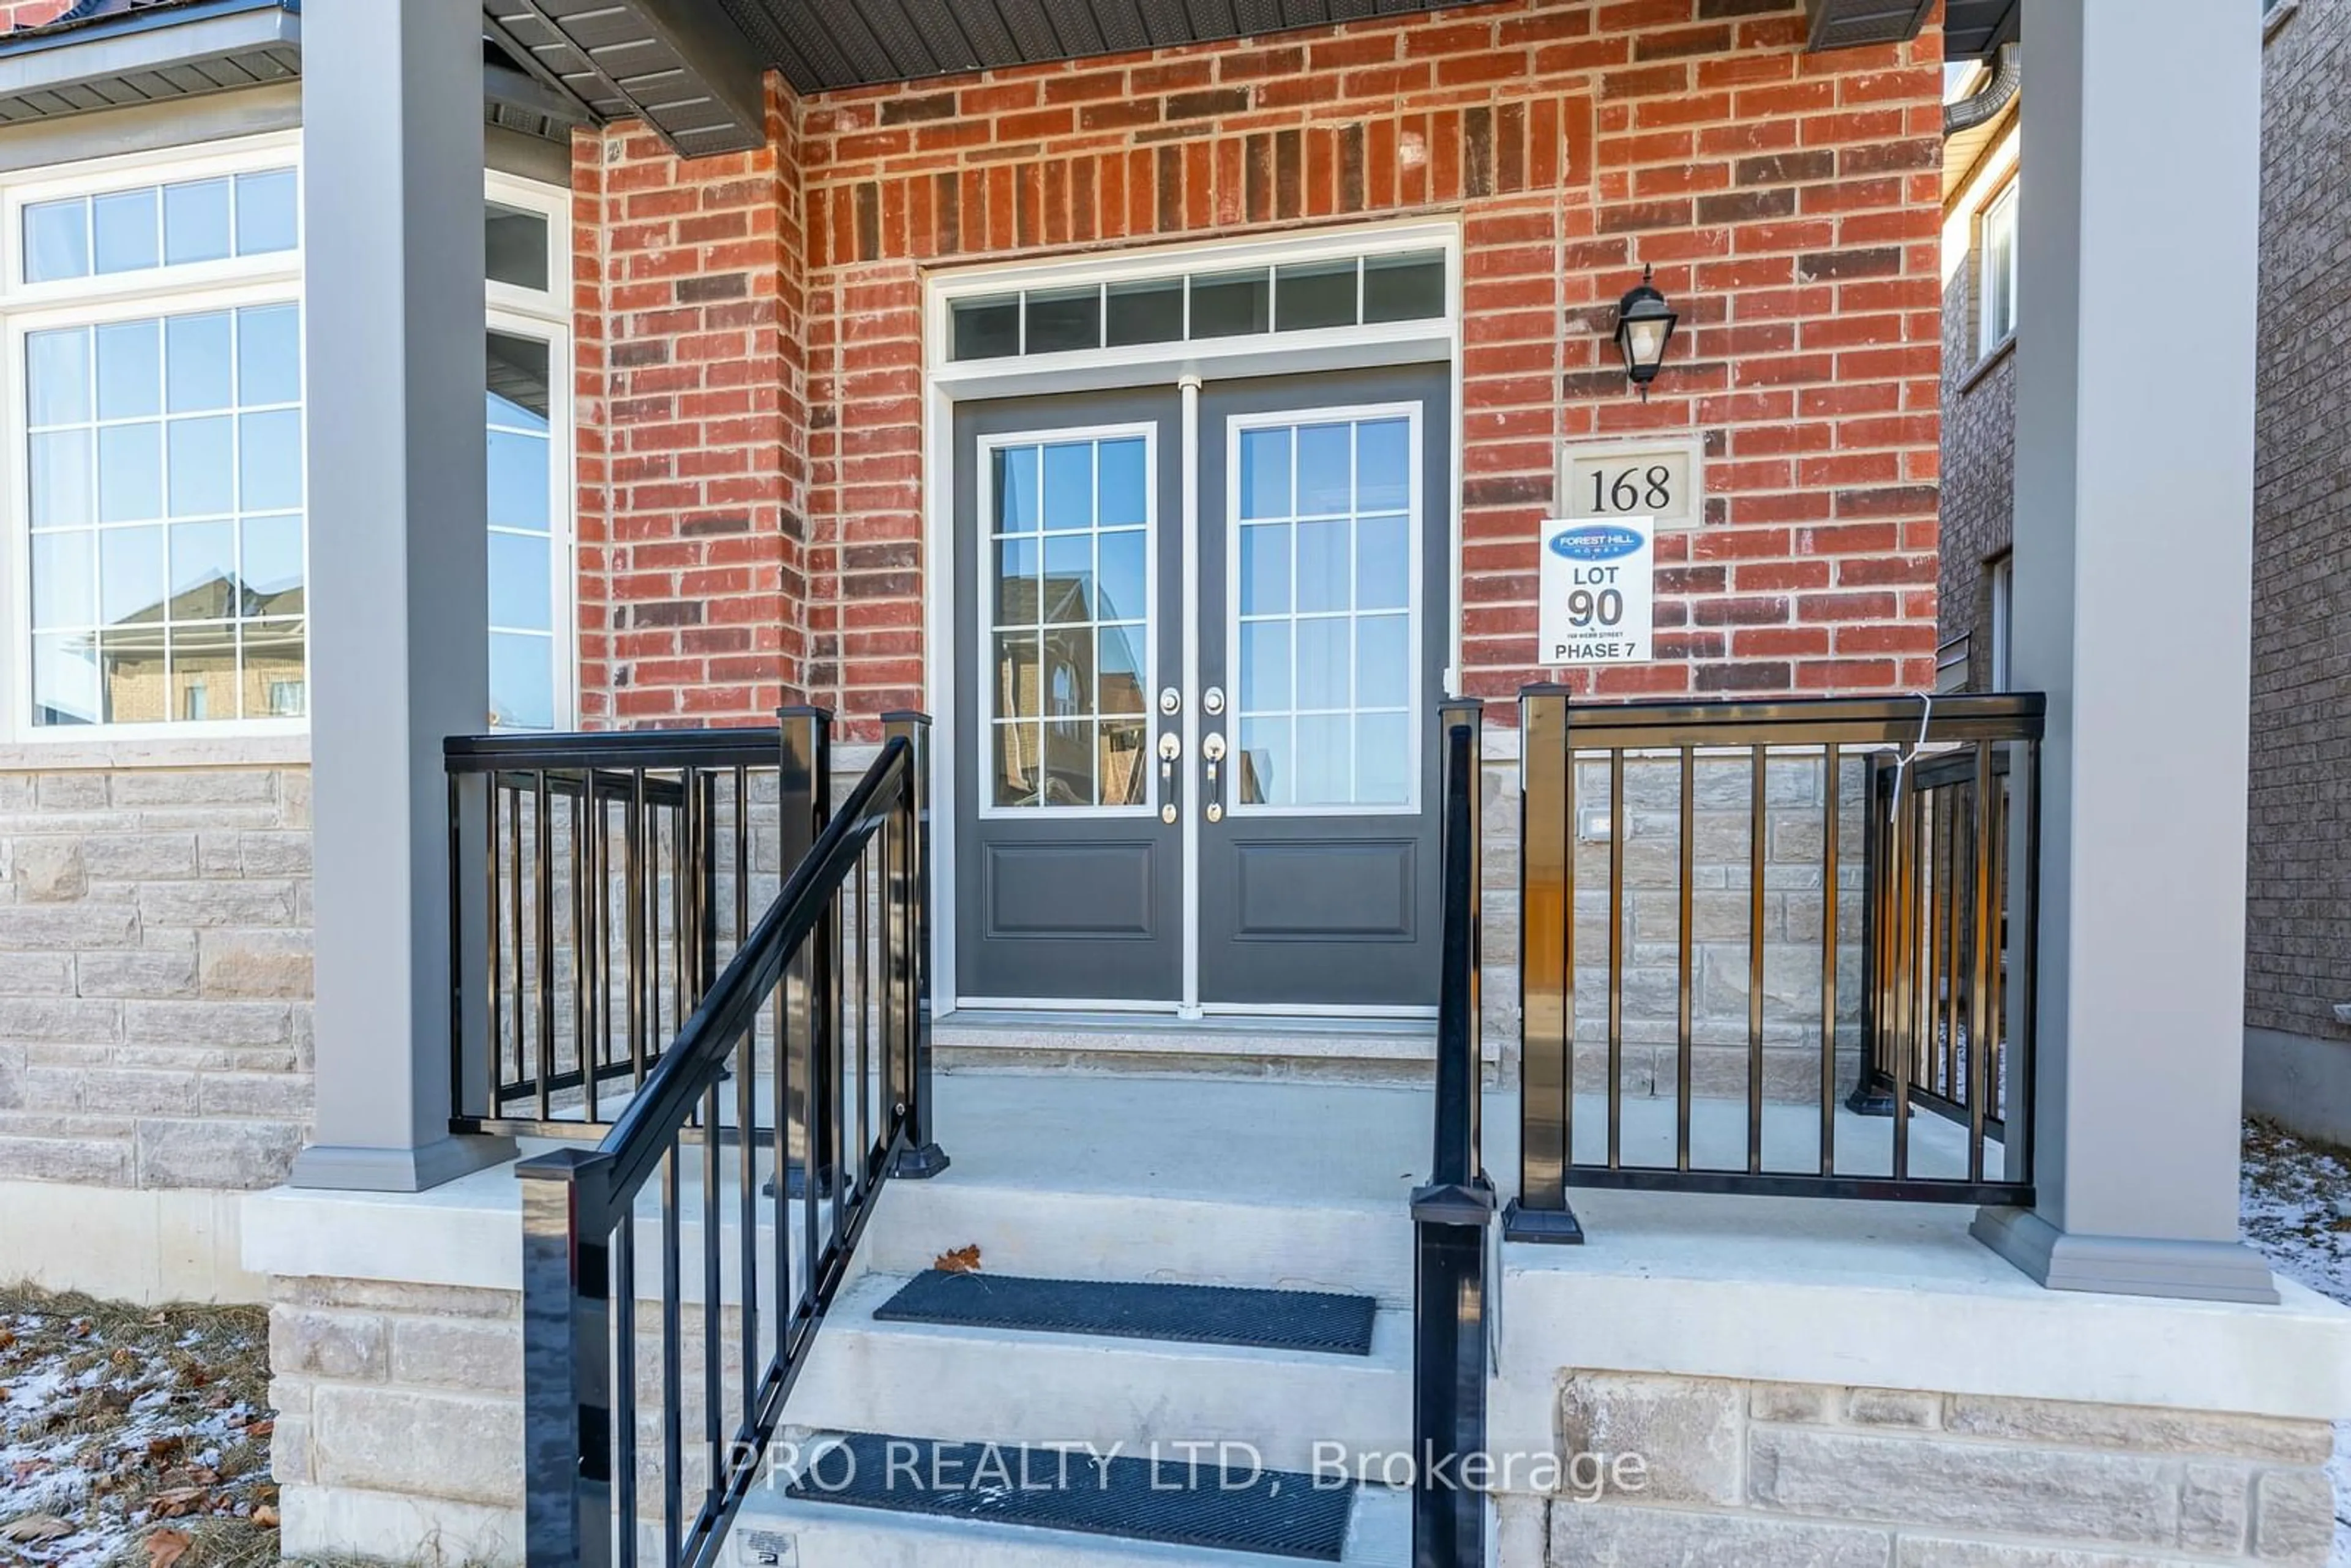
1171	748
1212	749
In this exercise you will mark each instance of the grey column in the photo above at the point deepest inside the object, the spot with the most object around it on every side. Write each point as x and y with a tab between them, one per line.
2134	563
391	108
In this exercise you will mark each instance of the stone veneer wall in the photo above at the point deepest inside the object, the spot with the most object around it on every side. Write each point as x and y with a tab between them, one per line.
399	1428
154	975
1770	1475
1794	911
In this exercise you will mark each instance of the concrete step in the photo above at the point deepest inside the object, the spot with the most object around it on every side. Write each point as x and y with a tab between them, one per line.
777	1531
1366	1050
943	1381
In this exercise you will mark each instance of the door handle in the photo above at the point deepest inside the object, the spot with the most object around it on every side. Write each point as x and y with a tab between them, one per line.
1171	747
1212	749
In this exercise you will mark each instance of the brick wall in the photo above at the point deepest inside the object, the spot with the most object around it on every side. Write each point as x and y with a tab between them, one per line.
1979	476
2298	958
690	302
1788	201
154	975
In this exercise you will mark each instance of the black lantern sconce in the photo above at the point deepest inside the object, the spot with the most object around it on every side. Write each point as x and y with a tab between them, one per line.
1644	325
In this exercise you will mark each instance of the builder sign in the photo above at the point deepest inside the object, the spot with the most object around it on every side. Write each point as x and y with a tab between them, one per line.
1597	591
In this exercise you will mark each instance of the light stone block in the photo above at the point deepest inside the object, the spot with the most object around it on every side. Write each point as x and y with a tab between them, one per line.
255	963
2144	1427
2213	1507
344	1346
49	869
1685	1429
2293	1517
2119	1499
1605	1536
417	1444
470	1353
1935	1552
215	1154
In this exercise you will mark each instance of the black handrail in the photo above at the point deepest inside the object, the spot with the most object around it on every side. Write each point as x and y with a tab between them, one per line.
1453	1212
798	1021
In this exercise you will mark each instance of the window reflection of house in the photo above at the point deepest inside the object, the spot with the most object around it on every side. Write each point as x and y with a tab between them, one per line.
1056	676
178	659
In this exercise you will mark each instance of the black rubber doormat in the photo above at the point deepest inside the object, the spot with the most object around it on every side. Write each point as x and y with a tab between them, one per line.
1200	1314
1167	1499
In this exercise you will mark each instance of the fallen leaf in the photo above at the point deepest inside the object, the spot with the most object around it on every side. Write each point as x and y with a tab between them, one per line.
165	1547
260	1428
178	1500
35	1528
962	1261
264	1517
163	1451
8	1338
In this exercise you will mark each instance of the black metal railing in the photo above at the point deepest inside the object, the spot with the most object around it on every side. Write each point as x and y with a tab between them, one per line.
1453	1214
597	884
1760	936
675	1275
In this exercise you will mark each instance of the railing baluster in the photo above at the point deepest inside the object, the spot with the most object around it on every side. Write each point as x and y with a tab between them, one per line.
1616	959
1979	982
1684	1036
633	890
1832	766
714	1333
593	1033
673	1361
543	927
1758	837
624	1356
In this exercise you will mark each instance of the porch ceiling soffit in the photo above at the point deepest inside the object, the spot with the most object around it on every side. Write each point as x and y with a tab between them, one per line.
1971	28
683	66
684	63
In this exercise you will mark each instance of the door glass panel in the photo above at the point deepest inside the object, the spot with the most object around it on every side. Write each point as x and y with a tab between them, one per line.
1327	624
1071	629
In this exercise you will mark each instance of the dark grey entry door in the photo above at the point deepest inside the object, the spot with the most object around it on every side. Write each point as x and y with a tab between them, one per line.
1193	765
1325	570
1068	884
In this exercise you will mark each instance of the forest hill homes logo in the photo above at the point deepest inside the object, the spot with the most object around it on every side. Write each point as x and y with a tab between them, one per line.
1595	542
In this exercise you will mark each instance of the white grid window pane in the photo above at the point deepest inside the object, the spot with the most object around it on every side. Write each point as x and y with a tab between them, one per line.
165	502
1069	622
143	227
1327	622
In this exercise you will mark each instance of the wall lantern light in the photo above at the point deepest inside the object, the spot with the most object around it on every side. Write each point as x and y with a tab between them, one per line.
1644	325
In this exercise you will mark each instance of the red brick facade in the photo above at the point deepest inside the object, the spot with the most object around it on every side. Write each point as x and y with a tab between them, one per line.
750	364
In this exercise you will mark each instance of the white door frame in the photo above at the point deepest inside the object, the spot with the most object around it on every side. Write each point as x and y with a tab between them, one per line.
1182	365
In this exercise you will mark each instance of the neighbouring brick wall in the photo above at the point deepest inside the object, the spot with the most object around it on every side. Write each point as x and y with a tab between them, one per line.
1770	1475
1979	475
1789	202
2298	934
154	975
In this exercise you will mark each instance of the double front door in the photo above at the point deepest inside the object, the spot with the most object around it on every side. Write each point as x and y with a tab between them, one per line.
1199	661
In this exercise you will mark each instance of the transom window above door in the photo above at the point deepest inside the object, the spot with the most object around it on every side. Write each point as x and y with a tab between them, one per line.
1070	527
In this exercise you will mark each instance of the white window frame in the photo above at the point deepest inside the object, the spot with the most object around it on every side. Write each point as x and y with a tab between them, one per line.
527	313
1415	602
983	715
2001	212
276	278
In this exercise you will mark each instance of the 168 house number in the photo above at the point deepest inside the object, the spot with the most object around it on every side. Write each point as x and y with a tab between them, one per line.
1645	490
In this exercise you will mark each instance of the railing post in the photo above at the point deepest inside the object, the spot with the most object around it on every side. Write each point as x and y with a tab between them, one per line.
567	1419
1546	970
1871	1093
1452	1213
923	1157
803	807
